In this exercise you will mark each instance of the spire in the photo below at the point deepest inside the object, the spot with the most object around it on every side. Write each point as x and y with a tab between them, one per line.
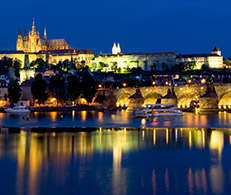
19	32
72	63
45	34
118	48
25	36
26	62
33	28
114	49
216	51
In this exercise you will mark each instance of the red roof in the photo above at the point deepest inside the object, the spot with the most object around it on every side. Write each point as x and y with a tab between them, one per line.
216	49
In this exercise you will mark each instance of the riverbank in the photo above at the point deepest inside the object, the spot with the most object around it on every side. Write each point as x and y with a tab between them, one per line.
67	108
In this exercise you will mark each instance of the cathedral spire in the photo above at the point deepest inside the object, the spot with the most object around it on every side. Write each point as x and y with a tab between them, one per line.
25	36
19	32
45	34
33	28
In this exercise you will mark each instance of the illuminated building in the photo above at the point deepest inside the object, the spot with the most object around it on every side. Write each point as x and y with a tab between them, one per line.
50	50
212	60
123	61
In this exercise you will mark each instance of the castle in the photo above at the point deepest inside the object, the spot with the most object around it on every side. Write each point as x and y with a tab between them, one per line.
157	61
32	43
50	50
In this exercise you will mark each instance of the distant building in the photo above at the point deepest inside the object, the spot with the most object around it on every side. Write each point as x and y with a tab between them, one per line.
26	72
50	50
3	89
212	60
146	61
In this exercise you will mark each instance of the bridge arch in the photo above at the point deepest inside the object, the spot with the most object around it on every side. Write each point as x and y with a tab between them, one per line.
151	98
184	101
225	101
123	99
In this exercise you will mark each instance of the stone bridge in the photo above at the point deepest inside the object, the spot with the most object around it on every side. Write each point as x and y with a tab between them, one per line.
184	94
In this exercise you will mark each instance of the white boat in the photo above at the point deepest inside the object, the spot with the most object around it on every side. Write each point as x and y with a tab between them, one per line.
153	110
17	109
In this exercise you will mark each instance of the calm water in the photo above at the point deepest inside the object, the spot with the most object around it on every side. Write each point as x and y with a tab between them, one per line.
113	153
113	119
115	161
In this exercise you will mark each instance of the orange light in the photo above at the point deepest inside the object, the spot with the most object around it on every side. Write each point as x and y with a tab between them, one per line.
53	99
154	82
189	81
166	83
100	85
124	84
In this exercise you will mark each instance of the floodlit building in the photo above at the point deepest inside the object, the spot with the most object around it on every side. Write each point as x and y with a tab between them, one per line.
212	60
50	50
123	61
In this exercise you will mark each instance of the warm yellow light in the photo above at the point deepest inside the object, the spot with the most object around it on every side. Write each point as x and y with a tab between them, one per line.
219	107
100	86
53	100
166	136
124	84
203	81
190	139
189	81
154	82
166	83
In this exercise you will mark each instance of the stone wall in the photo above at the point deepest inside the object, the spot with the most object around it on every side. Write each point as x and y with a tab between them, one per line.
184	94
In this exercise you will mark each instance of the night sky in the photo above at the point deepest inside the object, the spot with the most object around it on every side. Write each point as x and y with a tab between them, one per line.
185	26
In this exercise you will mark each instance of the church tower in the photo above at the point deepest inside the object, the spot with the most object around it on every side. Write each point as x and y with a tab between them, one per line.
114	49
19	41
45	34
25	36
216	51
118	48
34	40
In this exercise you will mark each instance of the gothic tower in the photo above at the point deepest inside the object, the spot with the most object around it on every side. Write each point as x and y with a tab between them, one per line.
34	40
45	34
25	37
19	41
114	49
118	48
216	51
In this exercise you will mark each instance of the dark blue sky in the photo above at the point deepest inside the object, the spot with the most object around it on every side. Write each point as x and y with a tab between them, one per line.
186	26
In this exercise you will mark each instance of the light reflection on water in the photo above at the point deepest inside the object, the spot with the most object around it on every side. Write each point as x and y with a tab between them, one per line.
115	161
113	119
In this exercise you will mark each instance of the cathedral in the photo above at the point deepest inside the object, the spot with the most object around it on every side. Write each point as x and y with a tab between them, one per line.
50	50
32	43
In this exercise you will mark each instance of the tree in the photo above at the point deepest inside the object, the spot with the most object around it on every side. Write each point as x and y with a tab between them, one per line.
58	88
73	87
101	65
38	89
153	67
189	66
204	68
114	66
39	64
88	87
14	91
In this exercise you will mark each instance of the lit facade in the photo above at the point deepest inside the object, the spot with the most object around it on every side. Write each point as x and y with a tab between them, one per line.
213	60
146	61
50	50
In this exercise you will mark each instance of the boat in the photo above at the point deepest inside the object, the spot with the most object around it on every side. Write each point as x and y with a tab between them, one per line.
154	110
17	109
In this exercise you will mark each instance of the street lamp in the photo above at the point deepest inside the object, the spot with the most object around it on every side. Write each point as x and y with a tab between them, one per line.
124	84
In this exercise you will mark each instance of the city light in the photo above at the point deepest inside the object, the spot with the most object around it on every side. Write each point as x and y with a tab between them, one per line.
100	86
203	81
124	84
